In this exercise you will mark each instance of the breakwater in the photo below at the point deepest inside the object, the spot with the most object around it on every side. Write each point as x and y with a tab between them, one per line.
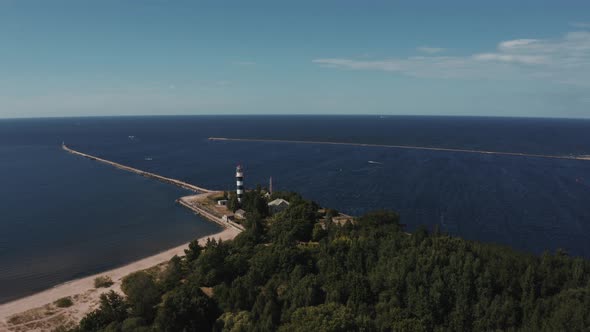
186	201
160	178
519	154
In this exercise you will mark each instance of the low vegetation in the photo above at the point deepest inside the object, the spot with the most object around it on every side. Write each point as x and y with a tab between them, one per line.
64	302
103	282
296	271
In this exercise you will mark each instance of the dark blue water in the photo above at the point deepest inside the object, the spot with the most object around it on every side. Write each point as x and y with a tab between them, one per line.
64	216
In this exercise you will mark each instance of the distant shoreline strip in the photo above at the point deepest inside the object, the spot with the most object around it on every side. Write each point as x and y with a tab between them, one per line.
160	178
408	147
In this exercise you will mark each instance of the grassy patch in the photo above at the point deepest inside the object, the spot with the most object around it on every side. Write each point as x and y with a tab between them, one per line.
103	281
64	302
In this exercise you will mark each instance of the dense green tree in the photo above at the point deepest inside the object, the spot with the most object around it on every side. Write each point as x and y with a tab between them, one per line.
142	293
112	310
294	271
234	322
186	308
408	325
254	202
193	251
210	267
330	317
318	232
135	324
172	274
232	202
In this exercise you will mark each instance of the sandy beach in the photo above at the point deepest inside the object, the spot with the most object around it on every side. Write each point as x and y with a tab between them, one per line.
37	313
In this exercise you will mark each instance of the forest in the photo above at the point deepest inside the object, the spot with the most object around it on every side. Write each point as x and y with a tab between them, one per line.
299	271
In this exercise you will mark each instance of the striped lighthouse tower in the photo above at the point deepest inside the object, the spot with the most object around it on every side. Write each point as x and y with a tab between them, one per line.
239	183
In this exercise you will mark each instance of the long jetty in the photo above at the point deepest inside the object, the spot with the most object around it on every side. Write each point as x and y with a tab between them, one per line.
184	201
410	147
164	179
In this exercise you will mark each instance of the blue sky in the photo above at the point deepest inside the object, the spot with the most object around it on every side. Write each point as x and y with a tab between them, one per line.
123	57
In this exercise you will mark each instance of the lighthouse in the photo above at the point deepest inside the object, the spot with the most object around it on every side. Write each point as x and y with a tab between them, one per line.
239	183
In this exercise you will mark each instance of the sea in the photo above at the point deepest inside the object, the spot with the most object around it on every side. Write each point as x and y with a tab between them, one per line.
63	217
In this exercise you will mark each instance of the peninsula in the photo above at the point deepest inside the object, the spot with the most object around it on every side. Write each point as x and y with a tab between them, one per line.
296	269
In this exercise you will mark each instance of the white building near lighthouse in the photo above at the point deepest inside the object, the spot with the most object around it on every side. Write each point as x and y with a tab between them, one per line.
278	205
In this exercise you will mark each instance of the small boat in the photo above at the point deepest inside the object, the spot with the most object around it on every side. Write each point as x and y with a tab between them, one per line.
375	162
148	158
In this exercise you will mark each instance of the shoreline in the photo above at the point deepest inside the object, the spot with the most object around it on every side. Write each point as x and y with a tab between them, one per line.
85	285
37	312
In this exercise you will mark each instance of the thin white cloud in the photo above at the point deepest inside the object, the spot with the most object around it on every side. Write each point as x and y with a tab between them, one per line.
565	59
516	44
430	50
512	58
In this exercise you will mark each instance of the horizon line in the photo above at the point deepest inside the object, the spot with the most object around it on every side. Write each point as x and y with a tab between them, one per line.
291	114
